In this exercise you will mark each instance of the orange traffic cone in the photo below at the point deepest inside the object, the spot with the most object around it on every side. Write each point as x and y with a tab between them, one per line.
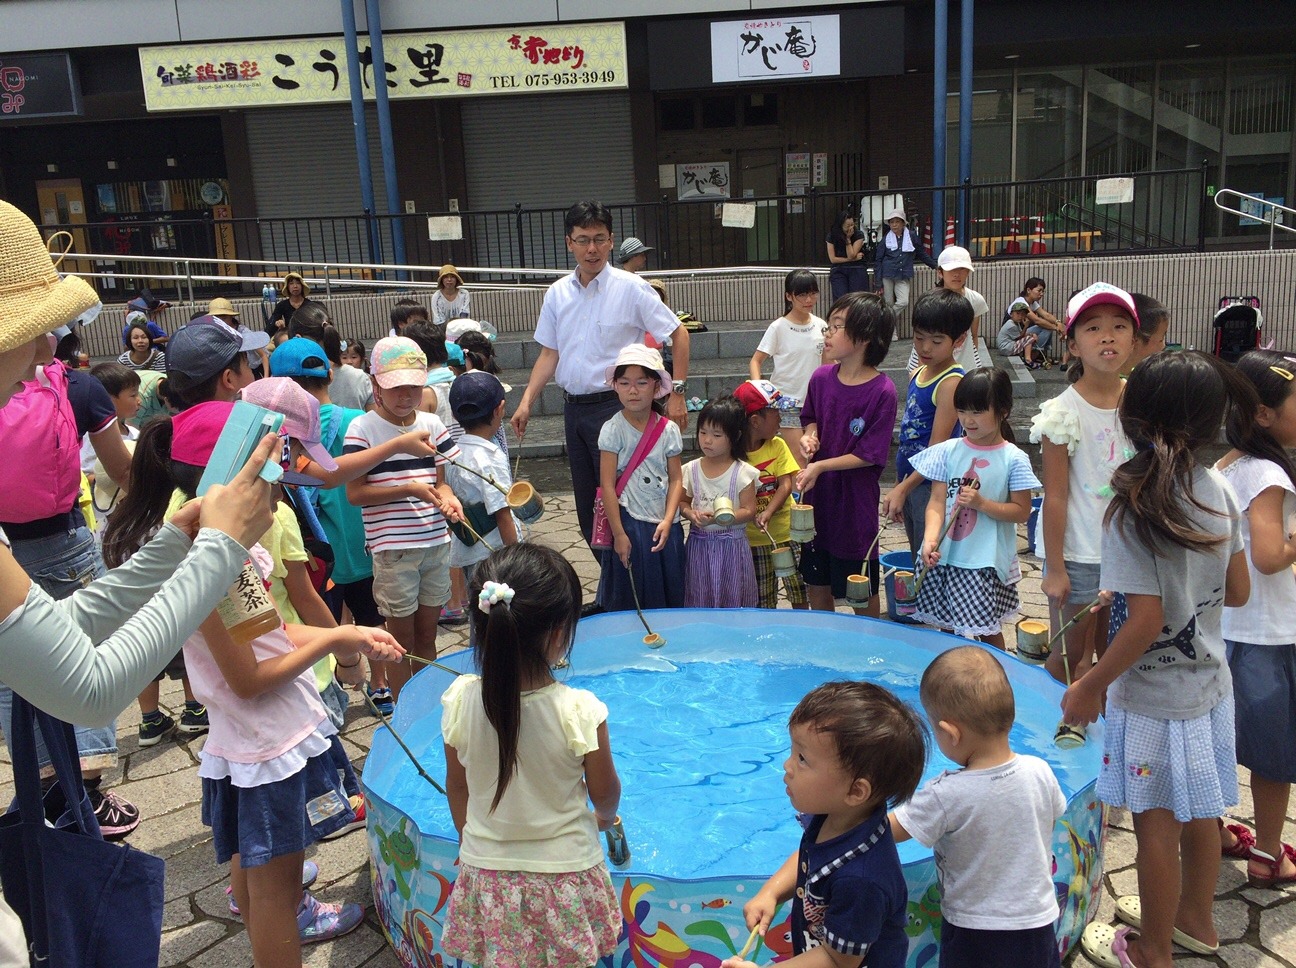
950	237
1037	244
1013	247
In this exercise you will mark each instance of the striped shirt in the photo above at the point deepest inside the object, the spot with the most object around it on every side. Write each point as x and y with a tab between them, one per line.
407	522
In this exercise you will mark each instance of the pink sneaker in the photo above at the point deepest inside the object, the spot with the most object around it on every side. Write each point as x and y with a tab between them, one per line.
310	871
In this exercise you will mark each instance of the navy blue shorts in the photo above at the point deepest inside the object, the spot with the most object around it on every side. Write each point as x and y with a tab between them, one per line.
268	821
820	568
978	948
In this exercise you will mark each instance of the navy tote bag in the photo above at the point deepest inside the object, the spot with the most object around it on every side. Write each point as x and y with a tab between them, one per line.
84	902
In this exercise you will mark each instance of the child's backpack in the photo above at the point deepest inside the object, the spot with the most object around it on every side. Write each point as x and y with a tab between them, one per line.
1237	327
41	470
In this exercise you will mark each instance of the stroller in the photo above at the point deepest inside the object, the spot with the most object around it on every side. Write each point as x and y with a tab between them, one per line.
1237	327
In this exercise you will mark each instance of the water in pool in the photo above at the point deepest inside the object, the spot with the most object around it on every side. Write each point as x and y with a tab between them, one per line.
699	739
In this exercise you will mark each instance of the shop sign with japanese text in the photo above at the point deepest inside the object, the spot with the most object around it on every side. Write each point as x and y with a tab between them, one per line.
38	86
775	47
448	63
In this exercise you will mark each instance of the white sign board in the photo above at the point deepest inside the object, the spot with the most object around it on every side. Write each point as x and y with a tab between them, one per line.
761	48
738	215
1114	191
445	228
702	179
875	208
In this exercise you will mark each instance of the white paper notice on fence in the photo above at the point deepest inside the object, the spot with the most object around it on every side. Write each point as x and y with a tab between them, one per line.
738	215
445	228
1114	191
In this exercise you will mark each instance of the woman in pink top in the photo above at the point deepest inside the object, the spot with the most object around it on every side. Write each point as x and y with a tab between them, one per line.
270	786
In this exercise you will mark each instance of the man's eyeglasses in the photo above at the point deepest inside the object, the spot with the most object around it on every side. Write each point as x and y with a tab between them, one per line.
835	328
585	241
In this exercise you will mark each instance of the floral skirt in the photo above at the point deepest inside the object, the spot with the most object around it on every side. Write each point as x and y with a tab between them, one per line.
521	919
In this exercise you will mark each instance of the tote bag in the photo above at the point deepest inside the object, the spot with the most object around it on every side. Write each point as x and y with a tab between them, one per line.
83	902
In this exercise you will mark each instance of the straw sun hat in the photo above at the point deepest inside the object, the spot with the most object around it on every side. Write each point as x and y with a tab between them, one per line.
33	298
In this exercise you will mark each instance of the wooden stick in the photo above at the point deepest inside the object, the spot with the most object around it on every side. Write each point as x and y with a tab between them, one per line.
751	941
489	479
397	736
432	662
1061	634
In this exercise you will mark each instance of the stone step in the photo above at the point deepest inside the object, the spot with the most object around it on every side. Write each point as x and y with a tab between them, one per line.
712	378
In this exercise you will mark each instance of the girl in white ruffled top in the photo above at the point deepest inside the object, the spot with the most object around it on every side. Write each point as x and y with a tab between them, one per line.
1082	443
526	758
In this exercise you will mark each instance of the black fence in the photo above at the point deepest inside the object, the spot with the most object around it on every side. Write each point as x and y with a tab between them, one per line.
1157	212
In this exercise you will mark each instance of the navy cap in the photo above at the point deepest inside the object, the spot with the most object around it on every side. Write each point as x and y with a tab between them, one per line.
475	395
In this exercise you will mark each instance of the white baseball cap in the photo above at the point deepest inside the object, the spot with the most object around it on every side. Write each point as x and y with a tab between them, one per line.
955	257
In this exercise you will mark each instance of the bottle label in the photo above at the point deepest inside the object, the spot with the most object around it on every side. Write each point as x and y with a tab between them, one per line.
246	600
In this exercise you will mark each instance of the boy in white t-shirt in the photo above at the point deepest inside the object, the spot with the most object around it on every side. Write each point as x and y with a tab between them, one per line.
990	824
477	400
405	502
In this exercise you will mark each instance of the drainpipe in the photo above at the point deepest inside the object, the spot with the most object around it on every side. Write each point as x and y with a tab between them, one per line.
355	81
965	123
394	223
940	72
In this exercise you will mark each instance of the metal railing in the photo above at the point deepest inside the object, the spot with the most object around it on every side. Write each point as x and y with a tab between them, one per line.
1261	210
1058	214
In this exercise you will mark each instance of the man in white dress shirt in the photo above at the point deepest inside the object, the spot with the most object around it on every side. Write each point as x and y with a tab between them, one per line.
586	319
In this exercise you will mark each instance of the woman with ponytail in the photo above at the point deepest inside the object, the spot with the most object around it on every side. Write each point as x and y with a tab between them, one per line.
1261	635
526	757
1172	548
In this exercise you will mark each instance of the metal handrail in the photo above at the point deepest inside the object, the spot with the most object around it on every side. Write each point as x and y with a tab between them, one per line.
1272	209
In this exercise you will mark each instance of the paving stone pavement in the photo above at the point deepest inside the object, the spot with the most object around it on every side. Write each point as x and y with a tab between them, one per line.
1257	928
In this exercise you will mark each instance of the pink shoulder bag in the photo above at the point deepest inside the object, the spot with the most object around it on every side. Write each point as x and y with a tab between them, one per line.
601	533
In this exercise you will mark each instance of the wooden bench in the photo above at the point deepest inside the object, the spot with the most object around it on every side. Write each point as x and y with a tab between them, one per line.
989	245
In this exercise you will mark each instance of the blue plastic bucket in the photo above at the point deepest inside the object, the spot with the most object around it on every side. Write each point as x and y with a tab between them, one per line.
895	561
1032	523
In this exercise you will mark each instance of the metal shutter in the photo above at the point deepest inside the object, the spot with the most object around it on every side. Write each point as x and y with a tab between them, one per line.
546	151
304	166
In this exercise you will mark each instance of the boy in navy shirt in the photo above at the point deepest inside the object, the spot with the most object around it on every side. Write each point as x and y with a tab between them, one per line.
855	748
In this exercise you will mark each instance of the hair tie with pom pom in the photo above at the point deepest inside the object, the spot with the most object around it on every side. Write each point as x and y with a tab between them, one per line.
492	593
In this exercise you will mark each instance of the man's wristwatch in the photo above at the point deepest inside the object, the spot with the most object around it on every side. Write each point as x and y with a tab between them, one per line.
677	386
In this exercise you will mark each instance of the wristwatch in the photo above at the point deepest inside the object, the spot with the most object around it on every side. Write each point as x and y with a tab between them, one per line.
677	386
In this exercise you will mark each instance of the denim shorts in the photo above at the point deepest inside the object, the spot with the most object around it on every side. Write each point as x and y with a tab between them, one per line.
1084	577
264	822
61	564
790	418
410	577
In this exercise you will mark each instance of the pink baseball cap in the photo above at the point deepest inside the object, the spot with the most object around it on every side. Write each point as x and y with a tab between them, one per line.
301	413
1099	294
194	432
397	361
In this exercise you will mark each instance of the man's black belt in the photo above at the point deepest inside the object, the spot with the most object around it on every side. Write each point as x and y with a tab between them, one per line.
601	397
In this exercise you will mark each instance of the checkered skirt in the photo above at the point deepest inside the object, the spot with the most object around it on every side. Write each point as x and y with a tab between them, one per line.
1188	766
969	601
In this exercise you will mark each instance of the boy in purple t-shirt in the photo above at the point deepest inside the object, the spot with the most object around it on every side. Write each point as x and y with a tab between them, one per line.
847	419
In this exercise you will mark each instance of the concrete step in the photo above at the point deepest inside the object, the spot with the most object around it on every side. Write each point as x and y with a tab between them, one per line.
714	377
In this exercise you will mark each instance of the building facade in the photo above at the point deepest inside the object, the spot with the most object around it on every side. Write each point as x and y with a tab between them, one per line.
159	125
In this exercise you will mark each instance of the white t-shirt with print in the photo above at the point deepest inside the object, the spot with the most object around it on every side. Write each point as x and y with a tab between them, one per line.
797	351
704	490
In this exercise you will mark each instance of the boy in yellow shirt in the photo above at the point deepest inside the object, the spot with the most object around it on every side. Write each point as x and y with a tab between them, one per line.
769	454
